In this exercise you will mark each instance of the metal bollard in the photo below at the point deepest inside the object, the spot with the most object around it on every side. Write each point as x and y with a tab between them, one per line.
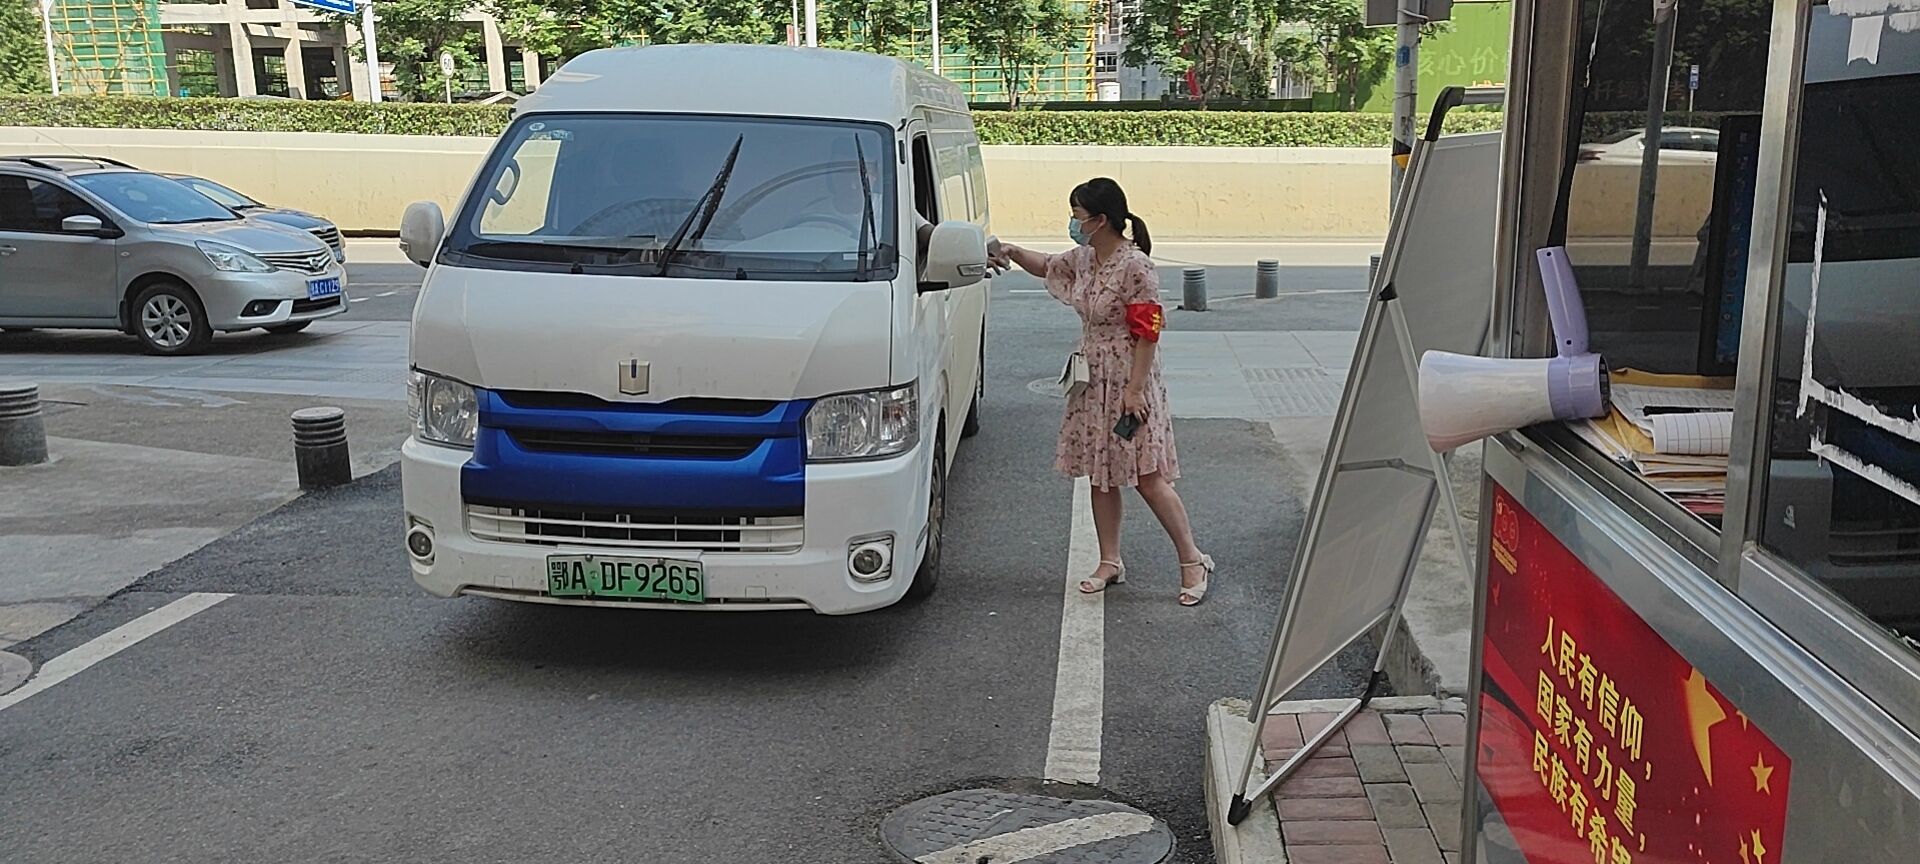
320	447
1193	289
23	434
1373	270
1266	279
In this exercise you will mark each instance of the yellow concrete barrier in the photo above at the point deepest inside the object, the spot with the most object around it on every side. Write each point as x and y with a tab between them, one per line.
364	182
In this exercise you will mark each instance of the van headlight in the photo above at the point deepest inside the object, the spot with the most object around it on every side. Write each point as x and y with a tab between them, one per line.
232	259
871	425
444	411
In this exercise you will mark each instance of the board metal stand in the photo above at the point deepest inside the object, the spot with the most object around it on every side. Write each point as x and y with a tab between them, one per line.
1384	312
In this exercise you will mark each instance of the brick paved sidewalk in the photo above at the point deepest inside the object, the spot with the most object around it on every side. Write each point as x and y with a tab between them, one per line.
1384	790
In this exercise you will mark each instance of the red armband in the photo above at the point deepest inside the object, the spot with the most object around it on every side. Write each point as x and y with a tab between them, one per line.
1145	320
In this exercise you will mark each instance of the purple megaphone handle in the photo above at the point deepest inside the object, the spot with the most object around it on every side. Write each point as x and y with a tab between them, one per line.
1576	379
1569	315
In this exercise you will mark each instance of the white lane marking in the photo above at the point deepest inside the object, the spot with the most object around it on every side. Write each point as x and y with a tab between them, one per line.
359	299
387	294
1029	843
110	643
1079	684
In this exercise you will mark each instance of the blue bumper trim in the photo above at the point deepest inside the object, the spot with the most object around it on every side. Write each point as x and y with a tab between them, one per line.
770	479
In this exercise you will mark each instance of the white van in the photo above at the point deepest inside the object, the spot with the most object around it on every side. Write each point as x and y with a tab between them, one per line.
704	334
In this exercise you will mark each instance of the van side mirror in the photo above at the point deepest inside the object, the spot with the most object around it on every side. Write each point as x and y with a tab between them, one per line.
956	257
422	229
88	225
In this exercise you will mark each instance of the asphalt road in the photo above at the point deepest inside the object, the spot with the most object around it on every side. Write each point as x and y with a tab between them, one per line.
329	711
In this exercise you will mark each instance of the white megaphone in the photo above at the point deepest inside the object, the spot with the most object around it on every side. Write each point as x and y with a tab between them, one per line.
1464	399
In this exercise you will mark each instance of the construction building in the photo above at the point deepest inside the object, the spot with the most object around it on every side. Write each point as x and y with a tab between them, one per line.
242	48
274	48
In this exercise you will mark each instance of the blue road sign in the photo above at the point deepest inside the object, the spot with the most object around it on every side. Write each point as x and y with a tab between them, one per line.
1693	77
347	7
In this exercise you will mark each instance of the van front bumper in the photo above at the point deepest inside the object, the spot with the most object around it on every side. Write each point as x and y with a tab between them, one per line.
844	503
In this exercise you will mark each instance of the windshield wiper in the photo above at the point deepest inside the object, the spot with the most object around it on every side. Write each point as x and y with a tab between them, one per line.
866	210
703	208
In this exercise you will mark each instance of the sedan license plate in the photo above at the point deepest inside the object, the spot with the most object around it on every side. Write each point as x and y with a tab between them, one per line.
318	289
626	578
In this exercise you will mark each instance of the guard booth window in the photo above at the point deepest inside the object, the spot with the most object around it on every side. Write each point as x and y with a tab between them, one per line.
1842	470
1660	255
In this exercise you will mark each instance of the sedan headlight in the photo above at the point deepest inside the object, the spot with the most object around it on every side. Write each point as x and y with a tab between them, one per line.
444	411
870	425
232	259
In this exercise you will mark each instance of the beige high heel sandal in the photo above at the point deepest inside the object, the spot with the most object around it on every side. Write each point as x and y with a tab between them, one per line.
1095	585
1191	595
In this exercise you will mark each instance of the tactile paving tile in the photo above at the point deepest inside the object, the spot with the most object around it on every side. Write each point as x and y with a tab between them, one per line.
1302	391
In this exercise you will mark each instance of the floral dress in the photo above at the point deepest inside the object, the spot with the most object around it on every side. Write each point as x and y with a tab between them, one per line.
1101	293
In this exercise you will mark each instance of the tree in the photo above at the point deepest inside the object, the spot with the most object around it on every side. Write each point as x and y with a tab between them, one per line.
554	28
879	26
413	34
1228	45
1017	36
23	56
1335	44
690	21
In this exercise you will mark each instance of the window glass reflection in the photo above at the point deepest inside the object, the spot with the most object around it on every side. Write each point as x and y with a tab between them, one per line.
1843	478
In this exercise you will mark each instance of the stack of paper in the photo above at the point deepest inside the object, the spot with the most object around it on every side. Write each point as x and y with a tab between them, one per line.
1672	430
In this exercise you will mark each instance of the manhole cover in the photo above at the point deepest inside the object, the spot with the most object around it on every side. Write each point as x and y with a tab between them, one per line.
986	826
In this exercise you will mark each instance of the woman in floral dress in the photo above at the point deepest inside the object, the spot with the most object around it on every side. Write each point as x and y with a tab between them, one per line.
1110	282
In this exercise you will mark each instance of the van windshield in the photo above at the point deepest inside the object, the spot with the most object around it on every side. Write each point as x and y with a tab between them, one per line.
685	196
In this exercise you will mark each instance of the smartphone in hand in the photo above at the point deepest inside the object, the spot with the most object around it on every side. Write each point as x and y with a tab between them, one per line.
1128	426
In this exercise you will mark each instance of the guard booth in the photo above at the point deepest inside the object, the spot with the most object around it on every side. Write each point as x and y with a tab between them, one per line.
1697	615
1697	592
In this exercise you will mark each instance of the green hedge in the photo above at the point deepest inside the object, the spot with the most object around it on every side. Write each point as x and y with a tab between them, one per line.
1217	128
250	115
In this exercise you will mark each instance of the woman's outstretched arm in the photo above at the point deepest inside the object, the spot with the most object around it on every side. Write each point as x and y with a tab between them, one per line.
1033	262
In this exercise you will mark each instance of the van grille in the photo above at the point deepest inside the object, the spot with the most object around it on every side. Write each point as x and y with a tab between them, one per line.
636	531
302	307
633	444
562	400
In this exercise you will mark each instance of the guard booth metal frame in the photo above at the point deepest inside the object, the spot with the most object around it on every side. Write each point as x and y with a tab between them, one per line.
1799	712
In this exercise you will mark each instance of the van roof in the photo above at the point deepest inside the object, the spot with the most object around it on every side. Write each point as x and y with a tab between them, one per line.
757	80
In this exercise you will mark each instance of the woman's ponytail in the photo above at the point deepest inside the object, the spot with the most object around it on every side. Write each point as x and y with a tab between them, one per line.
1137	227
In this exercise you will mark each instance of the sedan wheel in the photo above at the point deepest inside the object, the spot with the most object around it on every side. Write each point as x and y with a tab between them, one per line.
169	320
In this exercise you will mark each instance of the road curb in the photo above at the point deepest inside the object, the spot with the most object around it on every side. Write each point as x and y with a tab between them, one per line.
14	671
1256	840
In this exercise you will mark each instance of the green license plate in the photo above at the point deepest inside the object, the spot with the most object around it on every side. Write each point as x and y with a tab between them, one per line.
626	578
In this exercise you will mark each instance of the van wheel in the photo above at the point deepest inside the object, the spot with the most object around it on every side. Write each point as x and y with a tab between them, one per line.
169	320
928	576
971	426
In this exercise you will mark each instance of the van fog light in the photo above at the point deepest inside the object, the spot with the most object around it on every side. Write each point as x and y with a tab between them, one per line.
420	542
871	559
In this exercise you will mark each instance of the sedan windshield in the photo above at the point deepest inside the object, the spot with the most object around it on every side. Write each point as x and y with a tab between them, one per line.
689	197
153	199
220	194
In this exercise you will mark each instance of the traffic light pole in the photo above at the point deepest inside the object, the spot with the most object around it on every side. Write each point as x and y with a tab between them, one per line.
1406	87
373	52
